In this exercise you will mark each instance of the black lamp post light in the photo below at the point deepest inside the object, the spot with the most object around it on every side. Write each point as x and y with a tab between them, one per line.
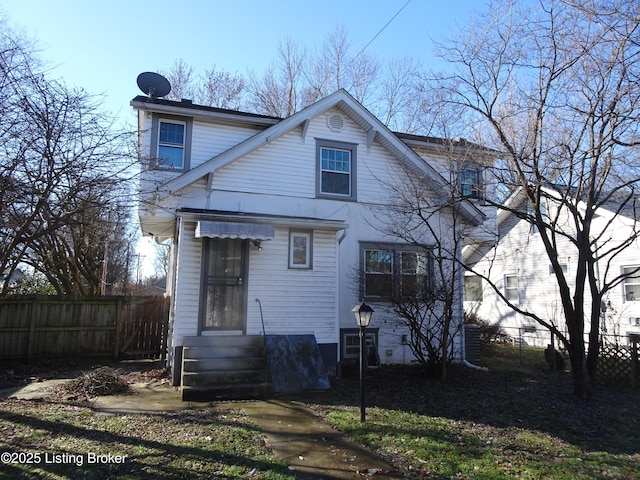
363	314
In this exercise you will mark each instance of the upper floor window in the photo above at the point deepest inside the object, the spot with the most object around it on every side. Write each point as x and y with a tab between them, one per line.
336	162
171	145
171	142
631	283
470	183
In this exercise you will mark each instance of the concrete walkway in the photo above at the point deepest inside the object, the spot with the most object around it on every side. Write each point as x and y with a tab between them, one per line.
310	447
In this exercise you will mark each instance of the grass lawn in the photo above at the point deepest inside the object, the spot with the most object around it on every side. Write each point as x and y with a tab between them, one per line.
62	441
518	420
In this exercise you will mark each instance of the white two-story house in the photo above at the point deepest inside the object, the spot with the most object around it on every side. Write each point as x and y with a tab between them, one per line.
272	222
520	268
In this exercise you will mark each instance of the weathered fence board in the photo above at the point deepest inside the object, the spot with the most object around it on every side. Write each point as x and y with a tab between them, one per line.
52	326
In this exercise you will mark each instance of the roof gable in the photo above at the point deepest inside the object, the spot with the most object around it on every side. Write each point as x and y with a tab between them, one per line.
375	130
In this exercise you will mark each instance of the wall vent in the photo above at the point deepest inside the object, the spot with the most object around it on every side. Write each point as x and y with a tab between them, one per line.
335	121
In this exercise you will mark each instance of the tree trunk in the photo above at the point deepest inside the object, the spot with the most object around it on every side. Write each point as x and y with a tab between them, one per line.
582	384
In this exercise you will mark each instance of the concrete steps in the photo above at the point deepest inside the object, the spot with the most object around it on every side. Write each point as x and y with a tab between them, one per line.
224	367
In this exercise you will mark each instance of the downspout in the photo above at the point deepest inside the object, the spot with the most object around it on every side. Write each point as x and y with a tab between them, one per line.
175	352
338	364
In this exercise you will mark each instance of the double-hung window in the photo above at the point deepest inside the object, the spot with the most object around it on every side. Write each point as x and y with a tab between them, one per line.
171	136
470	184
336	170
378	273
631	283
394	272
511	287
413	274
171	142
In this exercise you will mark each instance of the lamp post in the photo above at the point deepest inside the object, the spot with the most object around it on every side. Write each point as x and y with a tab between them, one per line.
363	314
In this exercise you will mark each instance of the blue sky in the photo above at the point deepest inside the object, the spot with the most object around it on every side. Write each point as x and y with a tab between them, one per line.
103	46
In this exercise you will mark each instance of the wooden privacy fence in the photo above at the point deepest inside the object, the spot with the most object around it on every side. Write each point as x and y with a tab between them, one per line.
54	327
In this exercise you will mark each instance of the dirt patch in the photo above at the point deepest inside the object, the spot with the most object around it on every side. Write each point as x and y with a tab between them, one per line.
78	382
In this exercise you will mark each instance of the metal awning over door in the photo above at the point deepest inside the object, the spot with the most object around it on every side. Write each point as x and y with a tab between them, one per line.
243	231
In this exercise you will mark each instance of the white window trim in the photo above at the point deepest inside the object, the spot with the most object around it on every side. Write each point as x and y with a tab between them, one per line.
308	264
625	295
507	289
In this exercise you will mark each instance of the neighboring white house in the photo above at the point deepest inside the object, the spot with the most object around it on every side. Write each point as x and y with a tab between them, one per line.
519	266
272	222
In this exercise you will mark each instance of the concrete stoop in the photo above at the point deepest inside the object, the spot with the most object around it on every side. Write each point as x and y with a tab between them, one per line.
224	367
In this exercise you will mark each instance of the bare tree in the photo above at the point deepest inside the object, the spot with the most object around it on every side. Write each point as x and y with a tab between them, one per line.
222	89
336	66
279	91
62	165
402	103
437	218
182	79
555	87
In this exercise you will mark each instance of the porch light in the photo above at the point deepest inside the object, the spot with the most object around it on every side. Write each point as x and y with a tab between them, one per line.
363	314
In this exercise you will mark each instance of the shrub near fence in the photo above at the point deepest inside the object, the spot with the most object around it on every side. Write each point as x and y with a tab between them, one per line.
54	327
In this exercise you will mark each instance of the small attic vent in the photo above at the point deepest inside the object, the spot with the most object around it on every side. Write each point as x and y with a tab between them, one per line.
335	121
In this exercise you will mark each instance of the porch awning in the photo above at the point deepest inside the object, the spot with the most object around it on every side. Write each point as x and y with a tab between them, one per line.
250	231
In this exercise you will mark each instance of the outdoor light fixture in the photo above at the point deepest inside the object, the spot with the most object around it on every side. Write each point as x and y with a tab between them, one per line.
363	314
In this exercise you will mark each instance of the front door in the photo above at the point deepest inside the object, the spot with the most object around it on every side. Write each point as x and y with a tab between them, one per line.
224	306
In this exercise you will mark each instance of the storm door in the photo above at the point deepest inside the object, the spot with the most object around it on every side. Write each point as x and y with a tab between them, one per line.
224	306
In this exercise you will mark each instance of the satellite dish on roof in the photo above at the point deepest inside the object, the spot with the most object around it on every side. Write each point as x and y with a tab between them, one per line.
154	84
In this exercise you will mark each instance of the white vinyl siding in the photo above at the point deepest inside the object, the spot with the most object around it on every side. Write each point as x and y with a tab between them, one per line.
286	167
294	301
188	280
